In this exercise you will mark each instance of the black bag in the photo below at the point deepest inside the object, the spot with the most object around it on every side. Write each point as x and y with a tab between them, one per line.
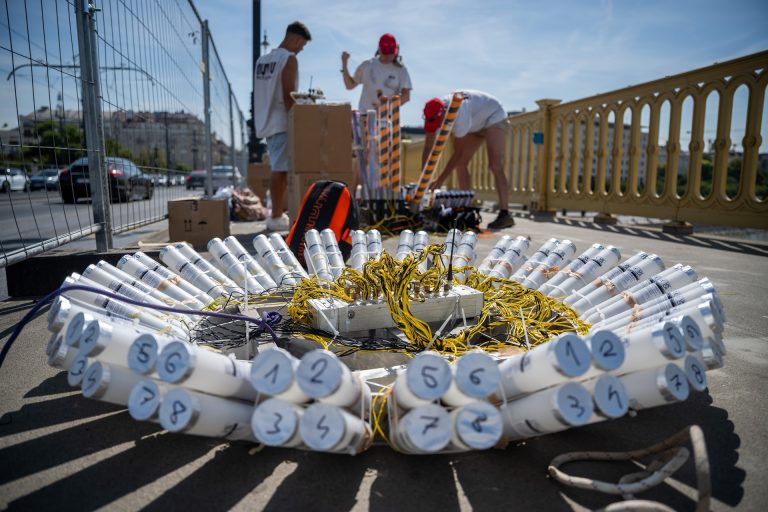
326	204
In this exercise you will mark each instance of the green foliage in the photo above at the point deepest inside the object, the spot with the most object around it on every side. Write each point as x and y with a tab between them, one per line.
183	167
59	144
115	149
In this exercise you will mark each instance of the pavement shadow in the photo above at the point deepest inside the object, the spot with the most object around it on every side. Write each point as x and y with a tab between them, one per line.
51	386
102	483
743	247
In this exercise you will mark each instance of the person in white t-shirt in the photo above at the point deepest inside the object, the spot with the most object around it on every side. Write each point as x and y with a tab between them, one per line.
383	75
480	118
276	76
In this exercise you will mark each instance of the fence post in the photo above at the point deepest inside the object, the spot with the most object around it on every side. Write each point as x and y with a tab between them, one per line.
85	14
232	129
539	208
207	101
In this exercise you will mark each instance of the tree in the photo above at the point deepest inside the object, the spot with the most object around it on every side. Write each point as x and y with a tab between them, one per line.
59	144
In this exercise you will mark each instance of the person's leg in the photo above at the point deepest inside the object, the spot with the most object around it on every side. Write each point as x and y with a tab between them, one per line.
494	143
278	183
277	145
464	149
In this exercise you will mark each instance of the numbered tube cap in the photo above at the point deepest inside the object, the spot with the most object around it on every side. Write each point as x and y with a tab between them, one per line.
75	328
319	373
322	426
607	350
694	340
142	354
672	383
428	428
275	422
272	372
179	410
77	370
670	341
176	361
58	351
695	370
611	397
477	374
95	337
428	376
144	400
479	425
572	404
96	380
570	355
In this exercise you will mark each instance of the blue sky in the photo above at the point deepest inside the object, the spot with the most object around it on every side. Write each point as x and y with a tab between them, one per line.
520	51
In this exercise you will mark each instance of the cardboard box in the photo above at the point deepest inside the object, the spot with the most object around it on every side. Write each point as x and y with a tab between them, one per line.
320	139
299	183
197	220
258	179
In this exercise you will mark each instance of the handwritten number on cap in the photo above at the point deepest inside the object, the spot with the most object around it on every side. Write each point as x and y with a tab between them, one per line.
676	379
614	395
429	380
575	404
431	423
276	426
698	373
570	352
606	348
170	366
324	428
473	378
323	364
273	372
177	409
148	396
143	357
678	347
476	424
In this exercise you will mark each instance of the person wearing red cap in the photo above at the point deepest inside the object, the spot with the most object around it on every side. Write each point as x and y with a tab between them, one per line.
480	118
384	74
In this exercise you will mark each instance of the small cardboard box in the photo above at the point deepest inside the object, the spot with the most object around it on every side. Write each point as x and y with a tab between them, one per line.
258	179
299	183
197	220
320	138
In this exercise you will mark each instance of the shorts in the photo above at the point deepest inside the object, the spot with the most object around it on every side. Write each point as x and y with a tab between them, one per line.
277	145
501	125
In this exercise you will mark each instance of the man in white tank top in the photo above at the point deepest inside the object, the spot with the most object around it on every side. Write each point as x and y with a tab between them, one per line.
481	118
276	76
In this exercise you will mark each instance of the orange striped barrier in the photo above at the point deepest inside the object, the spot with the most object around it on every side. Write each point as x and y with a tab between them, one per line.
384	142
395	155
437	149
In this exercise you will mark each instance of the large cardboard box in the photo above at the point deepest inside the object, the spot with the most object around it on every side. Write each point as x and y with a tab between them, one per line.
258	179
299	183
320	138
197	220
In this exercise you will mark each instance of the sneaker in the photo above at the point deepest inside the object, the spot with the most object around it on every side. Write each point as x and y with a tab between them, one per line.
502	221
281	223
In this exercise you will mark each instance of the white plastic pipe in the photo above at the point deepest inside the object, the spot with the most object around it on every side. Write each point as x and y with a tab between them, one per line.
144	351
652	347
315	256
425	429
420	241
535	260
426	378
359	254
207	268
573	266
253	267
140	285
195	413
584	288
476	426
695	370
108	383
289	259
597	266
656	386
332	251
230	265
100	341
547	411
373	243
178	262
493	256
77	370
511	259
322	376
60	355
327	428
275	422
476	376
273	373
170	286
272	263
145	399
203	370
610	397
557	259
549	364
405	244
174	278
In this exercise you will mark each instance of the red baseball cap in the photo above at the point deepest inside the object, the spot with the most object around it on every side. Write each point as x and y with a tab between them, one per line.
387	44
434	110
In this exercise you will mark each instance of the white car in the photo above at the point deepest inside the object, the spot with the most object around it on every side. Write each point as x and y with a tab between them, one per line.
13	179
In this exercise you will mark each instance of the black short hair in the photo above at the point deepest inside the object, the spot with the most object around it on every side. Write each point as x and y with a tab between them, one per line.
299	29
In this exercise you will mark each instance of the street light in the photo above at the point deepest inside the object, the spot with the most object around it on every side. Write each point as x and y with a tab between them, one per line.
265	43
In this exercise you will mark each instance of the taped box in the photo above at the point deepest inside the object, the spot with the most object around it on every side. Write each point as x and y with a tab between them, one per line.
197	220
320	138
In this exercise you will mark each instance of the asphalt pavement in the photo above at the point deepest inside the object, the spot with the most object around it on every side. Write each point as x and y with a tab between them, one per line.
62	451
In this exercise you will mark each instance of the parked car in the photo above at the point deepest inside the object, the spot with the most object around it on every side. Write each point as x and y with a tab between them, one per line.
47	179
12	178
223	176
126	181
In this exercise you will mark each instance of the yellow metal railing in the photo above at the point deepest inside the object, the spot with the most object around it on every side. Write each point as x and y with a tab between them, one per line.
603	153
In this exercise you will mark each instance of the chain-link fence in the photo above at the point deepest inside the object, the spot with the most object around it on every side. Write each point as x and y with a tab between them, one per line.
109	110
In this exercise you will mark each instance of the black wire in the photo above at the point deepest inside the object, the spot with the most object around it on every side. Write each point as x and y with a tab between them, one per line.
267	322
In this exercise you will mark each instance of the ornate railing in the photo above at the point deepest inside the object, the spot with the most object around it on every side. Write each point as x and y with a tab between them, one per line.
643	150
